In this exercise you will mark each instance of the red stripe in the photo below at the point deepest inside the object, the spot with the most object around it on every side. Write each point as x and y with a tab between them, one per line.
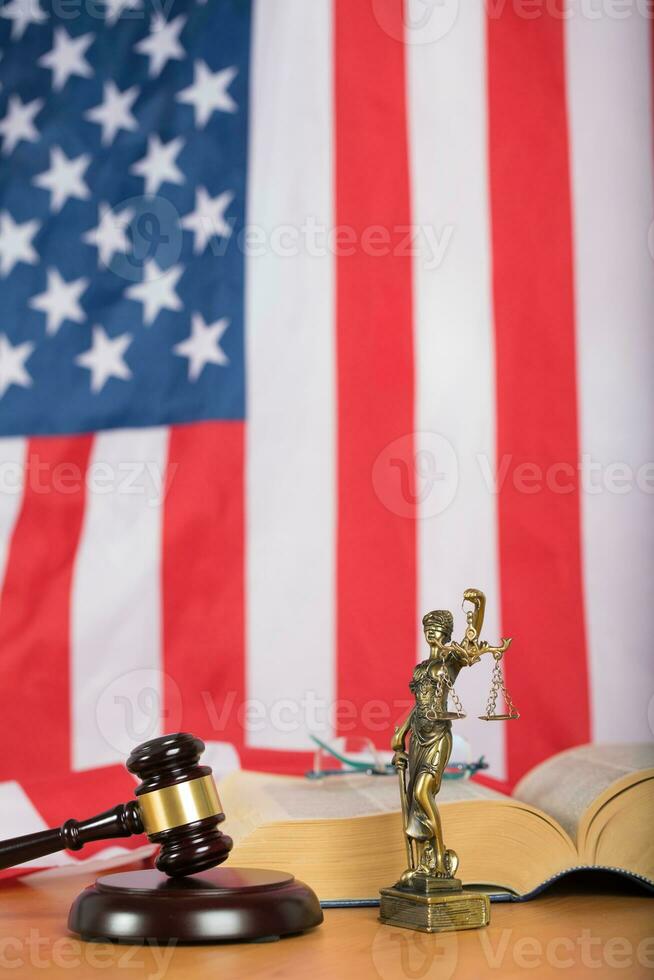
203	582
80	795
376	561
57	798
539	532
35	609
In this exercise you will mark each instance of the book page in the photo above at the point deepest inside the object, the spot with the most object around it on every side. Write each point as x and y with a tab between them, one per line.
565	785
296	798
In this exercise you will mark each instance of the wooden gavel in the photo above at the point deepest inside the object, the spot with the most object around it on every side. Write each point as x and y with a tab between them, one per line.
176	805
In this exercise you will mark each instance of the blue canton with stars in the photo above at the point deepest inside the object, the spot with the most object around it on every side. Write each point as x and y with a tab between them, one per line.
123	143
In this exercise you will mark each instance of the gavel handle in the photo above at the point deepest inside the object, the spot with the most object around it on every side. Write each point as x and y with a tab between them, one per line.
123	821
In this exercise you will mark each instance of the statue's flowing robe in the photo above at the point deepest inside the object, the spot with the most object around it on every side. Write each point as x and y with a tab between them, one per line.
429	751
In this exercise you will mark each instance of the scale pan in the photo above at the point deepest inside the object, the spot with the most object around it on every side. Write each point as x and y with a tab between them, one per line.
499	717
449	715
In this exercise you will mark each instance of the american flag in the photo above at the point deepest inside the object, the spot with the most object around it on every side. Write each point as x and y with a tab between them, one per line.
314	313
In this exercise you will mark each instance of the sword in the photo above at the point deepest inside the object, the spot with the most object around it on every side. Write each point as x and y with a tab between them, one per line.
405	816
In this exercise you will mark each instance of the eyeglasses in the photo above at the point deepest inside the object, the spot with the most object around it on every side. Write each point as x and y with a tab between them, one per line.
358	754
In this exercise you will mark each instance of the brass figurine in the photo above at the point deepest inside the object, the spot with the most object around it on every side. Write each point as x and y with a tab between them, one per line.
428	896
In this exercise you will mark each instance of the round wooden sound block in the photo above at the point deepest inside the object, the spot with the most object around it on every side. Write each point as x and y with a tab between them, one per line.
213	906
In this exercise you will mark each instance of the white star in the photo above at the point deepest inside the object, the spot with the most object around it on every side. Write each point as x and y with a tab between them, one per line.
162	43
109	235
16	242
157	291
114	9
208	219
202	346
66	57
12	364
65	178
209	92
60	301
18	123
113	113
158	165
105	358
22	13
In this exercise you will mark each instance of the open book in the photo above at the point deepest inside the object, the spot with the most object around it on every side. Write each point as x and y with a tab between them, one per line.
587	807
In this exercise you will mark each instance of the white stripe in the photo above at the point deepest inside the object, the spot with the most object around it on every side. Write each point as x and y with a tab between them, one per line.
609	86
455	379
222	757
12	480
116	601
110	857
19	816
290	370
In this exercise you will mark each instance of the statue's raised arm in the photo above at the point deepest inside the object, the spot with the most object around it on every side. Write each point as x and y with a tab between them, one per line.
451	649
497	651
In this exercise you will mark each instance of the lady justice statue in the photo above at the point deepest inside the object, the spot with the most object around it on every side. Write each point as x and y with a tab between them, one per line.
428	896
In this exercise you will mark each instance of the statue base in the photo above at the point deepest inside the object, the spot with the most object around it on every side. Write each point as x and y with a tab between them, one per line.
433	905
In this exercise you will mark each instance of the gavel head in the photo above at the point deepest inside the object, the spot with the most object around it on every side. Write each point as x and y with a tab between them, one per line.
178	804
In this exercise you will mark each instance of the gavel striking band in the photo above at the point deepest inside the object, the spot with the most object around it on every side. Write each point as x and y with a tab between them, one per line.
177	806
173	806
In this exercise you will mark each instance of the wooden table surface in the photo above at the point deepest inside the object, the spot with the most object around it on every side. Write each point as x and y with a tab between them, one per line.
579	929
